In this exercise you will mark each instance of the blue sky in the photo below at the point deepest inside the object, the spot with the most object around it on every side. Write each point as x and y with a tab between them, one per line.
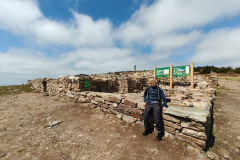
55	38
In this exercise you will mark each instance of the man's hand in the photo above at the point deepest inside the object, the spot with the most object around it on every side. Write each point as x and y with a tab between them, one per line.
144	104
164	108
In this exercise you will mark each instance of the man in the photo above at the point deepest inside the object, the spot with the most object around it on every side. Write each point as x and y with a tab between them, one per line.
152	98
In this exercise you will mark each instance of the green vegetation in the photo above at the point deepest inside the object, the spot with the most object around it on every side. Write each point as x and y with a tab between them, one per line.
21	150
209	69
10	90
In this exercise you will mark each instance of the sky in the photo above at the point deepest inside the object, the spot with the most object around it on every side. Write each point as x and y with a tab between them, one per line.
56	38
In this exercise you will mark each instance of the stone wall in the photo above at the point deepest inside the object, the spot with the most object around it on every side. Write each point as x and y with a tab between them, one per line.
188	118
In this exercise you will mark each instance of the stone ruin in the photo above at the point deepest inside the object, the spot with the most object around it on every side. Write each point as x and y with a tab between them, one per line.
189	118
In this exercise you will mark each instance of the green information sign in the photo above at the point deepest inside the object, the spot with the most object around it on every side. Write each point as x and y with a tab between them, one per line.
163	72
87	84
179	71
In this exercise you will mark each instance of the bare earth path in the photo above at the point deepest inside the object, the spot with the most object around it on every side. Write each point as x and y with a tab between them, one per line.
77	132
227	120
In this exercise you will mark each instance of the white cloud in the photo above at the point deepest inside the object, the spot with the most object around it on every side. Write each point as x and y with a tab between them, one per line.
156	22
24	18
220	47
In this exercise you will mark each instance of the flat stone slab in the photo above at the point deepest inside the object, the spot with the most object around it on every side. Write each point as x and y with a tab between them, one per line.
196	114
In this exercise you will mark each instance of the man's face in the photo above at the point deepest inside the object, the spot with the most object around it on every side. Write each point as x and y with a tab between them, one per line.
152	84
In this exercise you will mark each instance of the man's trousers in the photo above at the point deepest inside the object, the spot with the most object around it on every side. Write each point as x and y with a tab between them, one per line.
154	109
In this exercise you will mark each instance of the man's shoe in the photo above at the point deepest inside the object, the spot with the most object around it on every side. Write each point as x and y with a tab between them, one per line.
146	132
159	137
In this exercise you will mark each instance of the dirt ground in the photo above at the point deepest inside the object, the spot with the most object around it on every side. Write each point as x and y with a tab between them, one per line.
36	127
227	119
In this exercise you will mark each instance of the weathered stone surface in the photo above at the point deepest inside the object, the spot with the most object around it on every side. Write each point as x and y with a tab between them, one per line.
112	98
212	155
193	125
123	106
203	84
200	135
135	110
82	99
120	110
173	125
169	135
202	105
189	140
69	94
187	103
119	116
140	124
104	106
130	103
138	116
113	105
196	114
129	119
169	129
93	94
94	102
169	118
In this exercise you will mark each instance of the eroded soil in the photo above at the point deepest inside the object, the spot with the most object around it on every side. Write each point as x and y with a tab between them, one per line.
80	132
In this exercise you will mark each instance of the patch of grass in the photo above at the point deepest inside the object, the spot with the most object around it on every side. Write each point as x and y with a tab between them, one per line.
46	126
16	89
21	150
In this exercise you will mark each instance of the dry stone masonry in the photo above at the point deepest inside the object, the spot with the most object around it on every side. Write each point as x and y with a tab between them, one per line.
187	120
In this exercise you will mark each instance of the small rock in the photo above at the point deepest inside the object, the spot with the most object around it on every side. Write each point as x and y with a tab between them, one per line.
54	123
1	155
212	155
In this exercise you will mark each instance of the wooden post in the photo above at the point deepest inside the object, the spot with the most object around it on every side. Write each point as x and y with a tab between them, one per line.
192	75
171	77
154	72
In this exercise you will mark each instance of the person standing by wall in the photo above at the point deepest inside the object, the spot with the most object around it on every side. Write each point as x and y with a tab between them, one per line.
152	100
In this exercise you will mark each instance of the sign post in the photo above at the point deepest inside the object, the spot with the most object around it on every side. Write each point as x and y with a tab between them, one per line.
171	76
192	75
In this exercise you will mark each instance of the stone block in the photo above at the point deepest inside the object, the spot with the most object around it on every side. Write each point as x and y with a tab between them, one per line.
129	119
94	102
193	125
138	116
82	99
196	134
169	129
130	103
113	98
202	105
169	135
76	96
173	125
119	116
140	124
190	140
196	114
135	110
120	110
124	107
139	105
169	118
104	106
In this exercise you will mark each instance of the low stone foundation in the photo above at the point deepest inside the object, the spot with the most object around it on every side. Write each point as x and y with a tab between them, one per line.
187	120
